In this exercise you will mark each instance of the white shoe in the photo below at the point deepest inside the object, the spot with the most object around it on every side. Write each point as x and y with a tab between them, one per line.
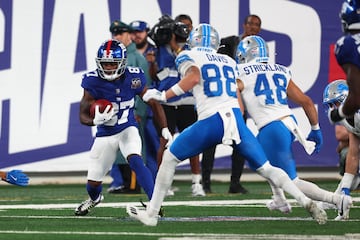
344	207
316	213
85	206
283	207
141	215
326	205
197	190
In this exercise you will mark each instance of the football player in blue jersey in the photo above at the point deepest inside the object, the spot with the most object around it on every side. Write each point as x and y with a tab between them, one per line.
212	78
117	129
347	52
266	88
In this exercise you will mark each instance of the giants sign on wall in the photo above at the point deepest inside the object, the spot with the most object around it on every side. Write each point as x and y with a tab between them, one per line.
46	45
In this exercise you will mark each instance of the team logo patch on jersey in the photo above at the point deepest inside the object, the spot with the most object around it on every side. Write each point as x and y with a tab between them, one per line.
135	83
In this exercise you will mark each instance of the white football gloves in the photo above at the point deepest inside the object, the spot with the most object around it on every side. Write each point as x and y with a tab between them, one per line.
165	133
154	94
101	118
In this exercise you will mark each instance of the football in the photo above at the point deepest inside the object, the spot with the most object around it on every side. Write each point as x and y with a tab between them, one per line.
102	103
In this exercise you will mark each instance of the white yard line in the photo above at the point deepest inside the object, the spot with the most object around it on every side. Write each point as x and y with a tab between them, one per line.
194	236
166	203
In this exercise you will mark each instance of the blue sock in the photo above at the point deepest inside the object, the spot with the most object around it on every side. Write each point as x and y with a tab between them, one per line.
93	192
346	191
143	174
116	175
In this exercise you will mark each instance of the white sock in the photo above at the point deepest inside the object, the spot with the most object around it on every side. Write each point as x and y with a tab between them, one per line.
280	179
347	180
278	193
164	179
196	178
313	191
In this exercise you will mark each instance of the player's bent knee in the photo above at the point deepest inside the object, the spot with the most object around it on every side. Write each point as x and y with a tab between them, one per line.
274	174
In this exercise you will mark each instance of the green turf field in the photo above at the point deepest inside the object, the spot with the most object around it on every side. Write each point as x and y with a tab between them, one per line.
47	212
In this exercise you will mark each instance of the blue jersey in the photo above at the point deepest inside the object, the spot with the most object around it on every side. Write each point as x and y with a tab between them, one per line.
121	93
347	49
167	74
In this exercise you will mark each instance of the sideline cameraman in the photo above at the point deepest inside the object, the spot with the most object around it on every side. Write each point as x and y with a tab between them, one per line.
170	37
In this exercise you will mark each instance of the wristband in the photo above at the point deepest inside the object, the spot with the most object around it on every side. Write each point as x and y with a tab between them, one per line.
177	90
315	127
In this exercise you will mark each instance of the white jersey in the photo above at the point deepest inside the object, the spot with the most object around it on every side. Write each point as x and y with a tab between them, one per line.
217	88
264	91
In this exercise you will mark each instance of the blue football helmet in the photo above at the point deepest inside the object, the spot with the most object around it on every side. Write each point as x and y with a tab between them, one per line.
335	93
350	15
204	35
252	48
111	51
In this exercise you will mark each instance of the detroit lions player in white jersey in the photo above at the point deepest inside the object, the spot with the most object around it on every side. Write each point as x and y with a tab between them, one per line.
211	77
335	93
117	129
347	52
265	89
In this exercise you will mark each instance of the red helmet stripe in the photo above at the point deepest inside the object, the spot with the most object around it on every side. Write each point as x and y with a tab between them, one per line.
108	47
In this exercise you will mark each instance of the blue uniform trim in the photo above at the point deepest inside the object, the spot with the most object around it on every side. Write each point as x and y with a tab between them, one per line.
276	140
209	132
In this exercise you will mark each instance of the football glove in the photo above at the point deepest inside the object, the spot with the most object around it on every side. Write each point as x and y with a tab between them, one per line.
165	133
101	118
154	94
16	177
316	136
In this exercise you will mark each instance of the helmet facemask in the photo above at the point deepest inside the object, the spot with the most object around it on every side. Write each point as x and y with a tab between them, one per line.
111	60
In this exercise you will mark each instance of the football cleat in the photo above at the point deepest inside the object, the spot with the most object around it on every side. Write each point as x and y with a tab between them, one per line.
161	211
344	207
282	206
197	190
85	206
142	216
316	213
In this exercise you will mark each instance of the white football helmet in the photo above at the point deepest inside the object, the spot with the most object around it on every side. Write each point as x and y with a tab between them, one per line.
252	48
204	35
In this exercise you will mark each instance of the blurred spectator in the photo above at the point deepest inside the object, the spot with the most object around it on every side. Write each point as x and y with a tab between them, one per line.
124	180
150	135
